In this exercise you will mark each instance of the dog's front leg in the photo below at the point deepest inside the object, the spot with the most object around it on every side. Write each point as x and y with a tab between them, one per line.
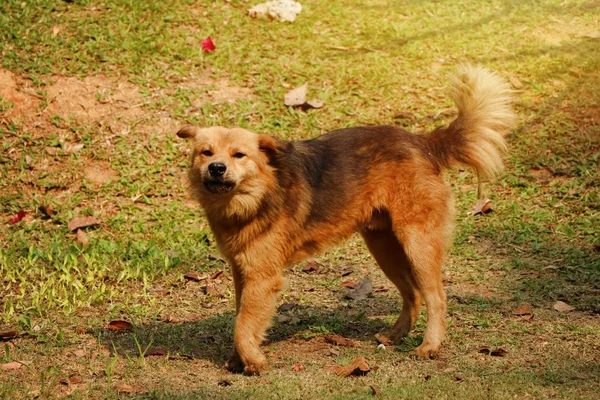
235	363
256	306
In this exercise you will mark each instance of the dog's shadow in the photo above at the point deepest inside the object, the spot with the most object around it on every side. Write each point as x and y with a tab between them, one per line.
212	338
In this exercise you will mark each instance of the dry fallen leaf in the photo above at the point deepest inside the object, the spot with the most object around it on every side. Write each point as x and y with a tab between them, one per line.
358	367
216	275
375	391
195	276
498	353
361	291
347	270
124	388
312	266
120	325
215	257
46	211
561	306
339	340
286	307
8	334
11	366
79	353
298	367
297	96
523	310
349	284
83	222
515	82
483	206
81	237
156	351
225	383
72	380
209	289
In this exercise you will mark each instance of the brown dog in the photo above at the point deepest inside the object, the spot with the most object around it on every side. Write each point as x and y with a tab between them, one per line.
272	203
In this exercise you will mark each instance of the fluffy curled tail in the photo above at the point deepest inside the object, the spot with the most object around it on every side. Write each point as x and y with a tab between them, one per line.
476	137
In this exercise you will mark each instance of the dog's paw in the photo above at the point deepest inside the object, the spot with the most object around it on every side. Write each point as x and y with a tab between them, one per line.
384	338
425	351
235	364
255	369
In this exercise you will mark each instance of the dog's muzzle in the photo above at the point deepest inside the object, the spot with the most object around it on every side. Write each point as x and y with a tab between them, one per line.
218	186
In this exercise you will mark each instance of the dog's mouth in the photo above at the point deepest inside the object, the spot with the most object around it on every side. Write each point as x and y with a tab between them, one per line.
218	186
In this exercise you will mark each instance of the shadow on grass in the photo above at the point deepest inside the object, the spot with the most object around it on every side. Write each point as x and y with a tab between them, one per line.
212	338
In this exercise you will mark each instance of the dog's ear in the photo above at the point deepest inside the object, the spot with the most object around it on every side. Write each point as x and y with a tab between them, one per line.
188	132
273	148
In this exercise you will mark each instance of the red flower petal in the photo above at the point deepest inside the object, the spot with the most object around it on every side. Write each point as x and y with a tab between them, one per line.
18	218
208	46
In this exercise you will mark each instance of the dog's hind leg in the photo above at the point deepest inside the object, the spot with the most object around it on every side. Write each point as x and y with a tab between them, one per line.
424	247
392	259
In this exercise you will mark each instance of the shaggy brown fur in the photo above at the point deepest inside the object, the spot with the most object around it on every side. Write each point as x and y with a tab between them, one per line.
272	203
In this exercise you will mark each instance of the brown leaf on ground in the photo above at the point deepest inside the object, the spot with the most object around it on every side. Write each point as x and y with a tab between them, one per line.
298	367
515	82
83	222
11	366
523	310
498	352
286	307
483	206
72	380
459	378
297	96
312	266
484	350
82	237
339	340
8	334
46	211
347	270
79	353
216	275
404	115
209	289
349	284
358	367
195	276
155	351
215	257
561	306
225	383
120	325
375	391
361	291
124	388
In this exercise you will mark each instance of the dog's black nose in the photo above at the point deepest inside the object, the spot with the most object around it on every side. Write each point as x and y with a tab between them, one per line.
217	169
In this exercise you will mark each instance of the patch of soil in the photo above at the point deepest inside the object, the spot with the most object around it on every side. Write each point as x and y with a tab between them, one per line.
18	92
99	174
98	99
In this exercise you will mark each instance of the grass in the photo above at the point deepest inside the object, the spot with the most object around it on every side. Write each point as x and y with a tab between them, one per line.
119	78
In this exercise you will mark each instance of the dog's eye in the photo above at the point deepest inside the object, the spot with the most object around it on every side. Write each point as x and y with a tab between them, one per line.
239	155
207	153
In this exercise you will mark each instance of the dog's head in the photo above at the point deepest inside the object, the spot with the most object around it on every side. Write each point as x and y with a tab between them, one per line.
230	164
